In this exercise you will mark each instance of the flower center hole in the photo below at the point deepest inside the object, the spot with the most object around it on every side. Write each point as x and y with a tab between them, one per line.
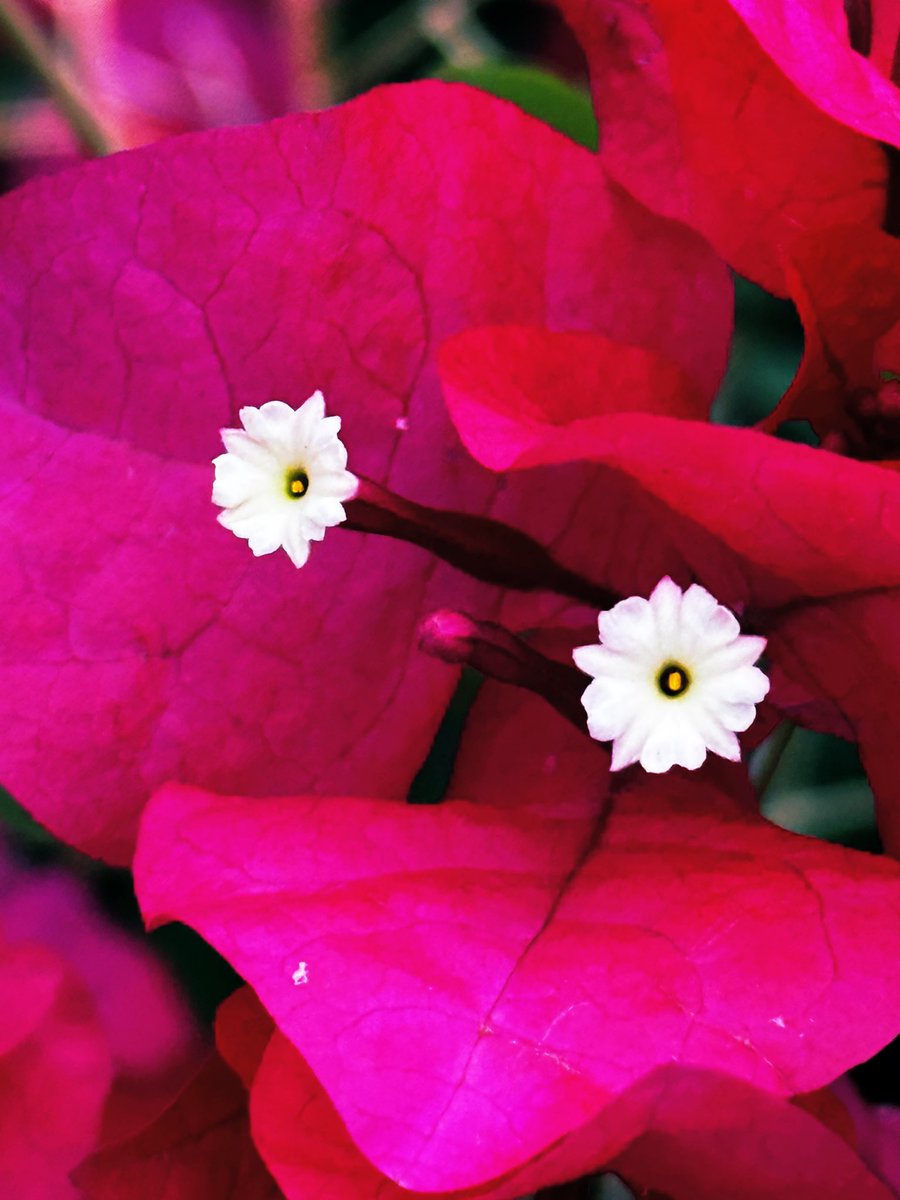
296	483
673	680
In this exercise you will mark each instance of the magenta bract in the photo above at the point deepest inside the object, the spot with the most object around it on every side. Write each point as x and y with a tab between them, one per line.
146	299
468	966
744	511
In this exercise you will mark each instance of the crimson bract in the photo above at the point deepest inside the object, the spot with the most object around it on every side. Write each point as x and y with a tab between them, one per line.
703	124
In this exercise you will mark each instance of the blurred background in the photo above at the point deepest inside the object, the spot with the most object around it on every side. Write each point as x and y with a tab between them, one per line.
79	78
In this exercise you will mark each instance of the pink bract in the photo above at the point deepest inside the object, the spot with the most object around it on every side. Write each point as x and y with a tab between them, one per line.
147	298
470	966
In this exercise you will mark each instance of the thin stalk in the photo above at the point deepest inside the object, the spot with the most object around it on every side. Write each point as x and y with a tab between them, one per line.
308	25
769	755
25	35
457	34
495	652
376	54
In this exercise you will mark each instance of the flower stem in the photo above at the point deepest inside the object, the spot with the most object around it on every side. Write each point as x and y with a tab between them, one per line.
455	637
308	29
769	755
487	549
17	24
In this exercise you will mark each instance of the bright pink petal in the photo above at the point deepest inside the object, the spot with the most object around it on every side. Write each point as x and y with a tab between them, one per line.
296	1129
302	1139
700	124
460	959
148	297
809	42
760	502
578	376
147	1024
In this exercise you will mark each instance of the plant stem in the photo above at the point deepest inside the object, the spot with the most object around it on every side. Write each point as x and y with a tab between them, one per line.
17	24
769	755
308	24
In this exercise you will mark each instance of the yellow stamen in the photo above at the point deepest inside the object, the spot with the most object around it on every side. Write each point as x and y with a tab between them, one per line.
673	680
296	483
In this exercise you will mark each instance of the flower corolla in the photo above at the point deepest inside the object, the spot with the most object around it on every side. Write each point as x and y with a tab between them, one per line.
283	477
673	678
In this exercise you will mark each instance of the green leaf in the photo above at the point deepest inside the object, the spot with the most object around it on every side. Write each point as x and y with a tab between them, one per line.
21	823
565	108
841	812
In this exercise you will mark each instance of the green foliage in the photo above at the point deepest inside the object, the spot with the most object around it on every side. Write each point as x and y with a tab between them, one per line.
14	818
565	108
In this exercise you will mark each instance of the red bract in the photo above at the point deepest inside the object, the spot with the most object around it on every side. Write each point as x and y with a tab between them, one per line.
693	1135
808	40
199	1149
702	1133
848	651
147	298
846	284
709	1137
758	496
701	124
877	1129
460	967
762	501
94	1039
55	1073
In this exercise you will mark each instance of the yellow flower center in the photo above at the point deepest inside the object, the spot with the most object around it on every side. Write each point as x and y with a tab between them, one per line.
296	483
673	680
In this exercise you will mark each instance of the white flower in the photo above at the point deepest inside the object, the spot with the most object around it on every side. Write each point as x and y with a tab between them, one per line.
673	678
283	477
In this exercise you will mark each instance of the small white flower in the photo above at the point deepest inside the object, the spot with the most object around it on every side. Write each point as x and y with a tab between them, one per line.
283	477
673	678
